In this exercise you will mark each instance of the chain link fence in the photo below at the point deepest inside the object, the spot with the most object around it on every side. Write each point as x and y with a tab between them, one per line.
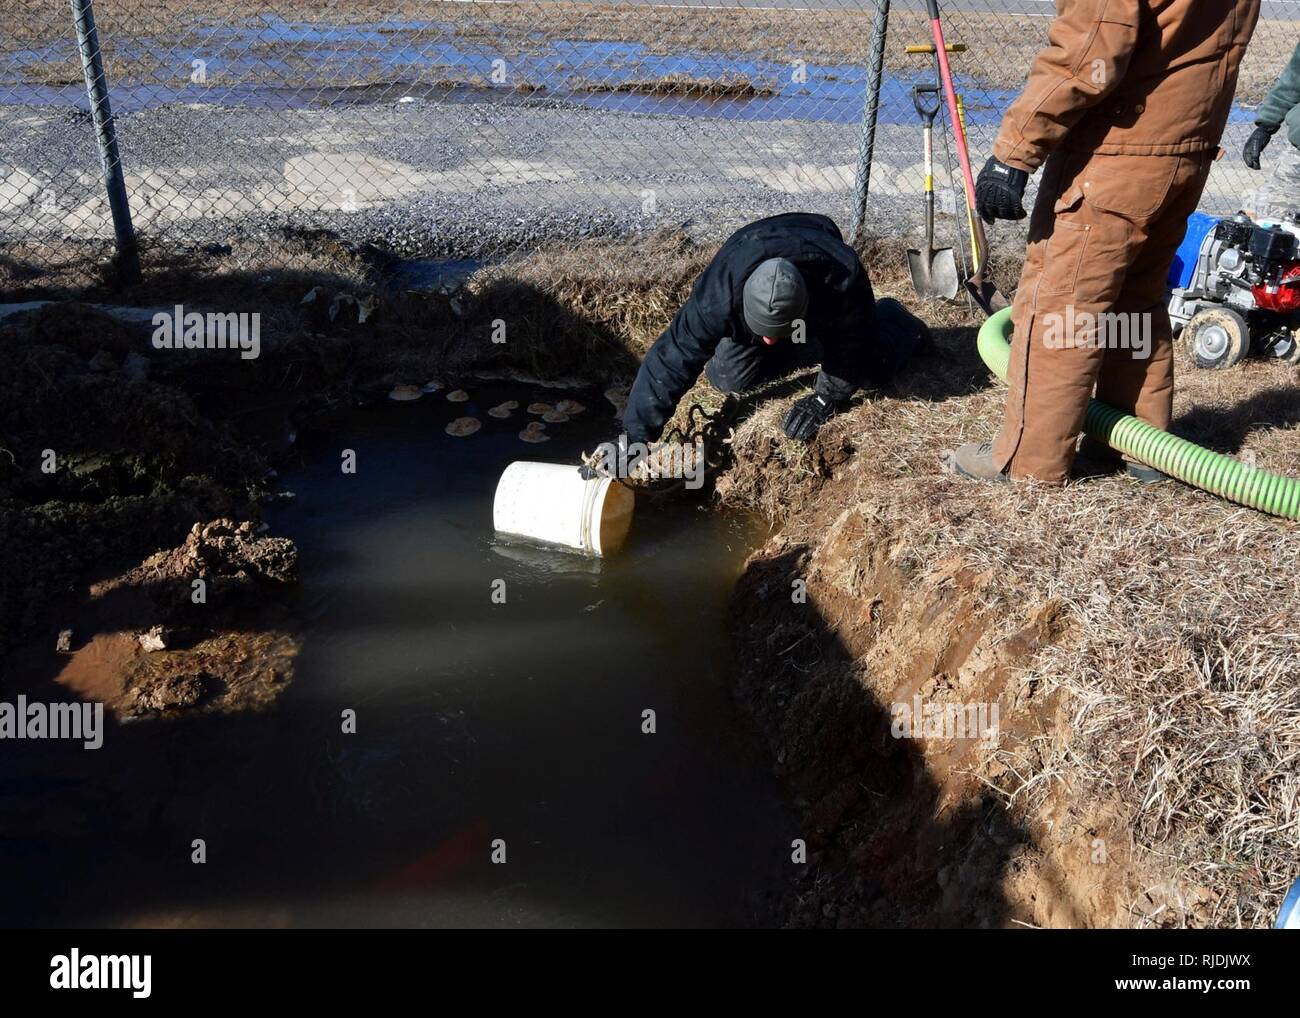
477	128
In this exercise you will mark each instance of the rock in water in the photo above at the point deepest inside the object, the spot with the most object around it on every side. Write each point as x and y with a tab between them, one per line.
405	393
458	396
463	426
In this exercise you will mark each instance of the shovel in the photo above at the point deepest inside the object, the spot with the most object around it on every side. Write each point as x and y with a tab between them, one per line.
981	288
934	270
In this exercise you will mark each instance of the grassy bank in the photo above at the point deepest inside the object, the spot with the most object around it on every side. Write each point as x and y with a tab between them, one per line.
1150	710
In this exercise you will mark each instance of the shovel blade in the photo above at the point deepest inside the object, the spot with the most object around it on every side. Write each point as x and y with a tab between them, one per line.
986	294
934	273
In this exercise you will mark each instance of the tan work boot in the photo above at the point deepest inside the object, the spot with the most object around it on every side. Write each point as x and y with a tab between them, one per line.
975	460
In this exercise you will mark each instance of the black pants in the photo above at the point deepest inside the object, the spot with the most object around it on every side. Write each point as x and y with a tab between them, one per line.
738	367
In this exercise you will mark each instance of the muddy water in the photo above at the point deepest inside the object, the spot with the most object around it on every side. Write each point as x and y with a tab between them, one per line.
475	722
261	63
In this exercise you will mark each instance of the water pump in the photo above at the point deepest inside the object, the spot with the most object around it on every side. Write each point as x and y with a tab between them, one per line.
1235	289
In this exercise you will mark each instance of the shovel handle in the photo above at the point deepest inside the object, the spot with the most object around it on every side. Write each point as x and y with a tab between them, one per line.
928	110
915	48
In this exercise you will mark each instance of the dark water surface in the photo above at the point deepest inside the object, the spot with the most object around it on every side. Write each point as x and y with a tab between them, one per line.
475	721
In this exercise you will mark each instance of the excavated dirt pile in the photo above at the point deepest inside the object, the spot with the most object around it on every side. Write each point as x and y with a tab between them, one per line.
206	624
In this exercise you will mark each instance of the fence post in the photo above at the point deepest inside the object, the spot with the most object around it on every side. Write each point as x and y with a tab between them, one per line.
128	255
867	142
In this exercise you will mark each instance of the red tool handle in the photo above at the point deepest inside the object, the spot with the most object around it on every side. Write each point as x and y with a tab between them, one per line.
950	93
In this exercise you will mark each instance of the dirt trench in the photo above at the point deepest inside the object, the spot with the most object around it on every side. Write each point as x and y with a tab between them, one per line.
1138	772
907	829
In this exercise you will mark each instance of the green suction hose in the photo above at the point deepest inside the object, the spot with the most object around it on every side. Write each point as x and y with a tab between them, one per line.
1177	457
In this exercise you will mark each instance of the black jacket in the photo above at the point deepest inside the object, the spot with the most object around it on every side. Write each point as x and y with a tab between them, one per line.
840	317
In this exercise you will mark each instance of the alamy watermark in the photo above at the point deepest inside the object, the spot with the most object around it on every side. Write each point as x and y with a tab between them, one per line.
77	971
919	720
179	329
82	722
655	461
1106	330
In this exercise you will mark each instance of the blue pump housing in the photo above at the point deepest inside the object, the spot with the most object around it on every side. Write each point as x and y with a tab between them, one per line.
1184	264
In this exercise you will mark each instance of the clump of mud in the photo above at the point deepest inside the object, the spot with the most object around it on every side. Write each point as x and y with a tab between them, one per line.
405	393
462	427
202	626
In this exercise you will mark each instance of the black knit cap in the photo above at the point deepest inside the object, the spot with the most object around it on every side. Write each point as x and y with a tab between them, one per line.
775	298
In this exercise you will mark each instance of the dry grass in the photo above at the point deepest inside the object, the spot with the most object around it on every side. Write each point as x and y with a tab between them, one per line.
1181	663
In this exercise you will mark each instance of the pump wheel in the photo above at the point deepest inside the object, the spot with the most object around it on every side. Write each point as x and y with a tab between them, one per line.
1285	346
1218	338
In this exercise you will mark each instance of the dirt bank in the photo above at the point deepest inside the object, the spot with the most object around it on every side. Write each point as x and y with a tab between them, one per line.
1132	640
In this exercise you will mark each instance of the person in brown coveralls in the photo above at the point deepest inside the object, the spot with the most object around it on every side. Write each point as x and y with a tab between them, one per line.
1123	110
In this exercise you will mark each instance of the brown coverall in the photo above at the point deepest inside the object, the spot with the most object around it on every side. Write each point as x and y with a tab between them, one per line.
1125	106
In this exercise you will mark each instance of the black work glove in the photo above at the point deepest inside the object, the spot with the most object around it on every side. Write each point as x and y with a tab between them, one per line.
807	415
999	190
1255	144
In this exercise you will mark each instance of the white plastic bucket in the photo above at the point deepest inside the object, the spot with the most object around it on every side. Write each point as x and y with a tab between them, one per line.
551	502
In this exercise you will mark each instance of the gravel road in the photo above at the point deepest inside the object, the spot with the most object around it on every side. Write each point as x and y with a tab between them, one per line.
467	179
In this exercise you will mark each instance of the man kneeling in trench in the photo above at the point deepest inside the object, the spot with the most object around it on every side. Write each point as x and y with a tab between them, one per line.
781	294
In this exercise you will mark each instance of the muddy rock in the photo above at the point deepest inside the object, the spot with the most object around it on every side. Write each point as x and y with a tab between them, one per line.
173	692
